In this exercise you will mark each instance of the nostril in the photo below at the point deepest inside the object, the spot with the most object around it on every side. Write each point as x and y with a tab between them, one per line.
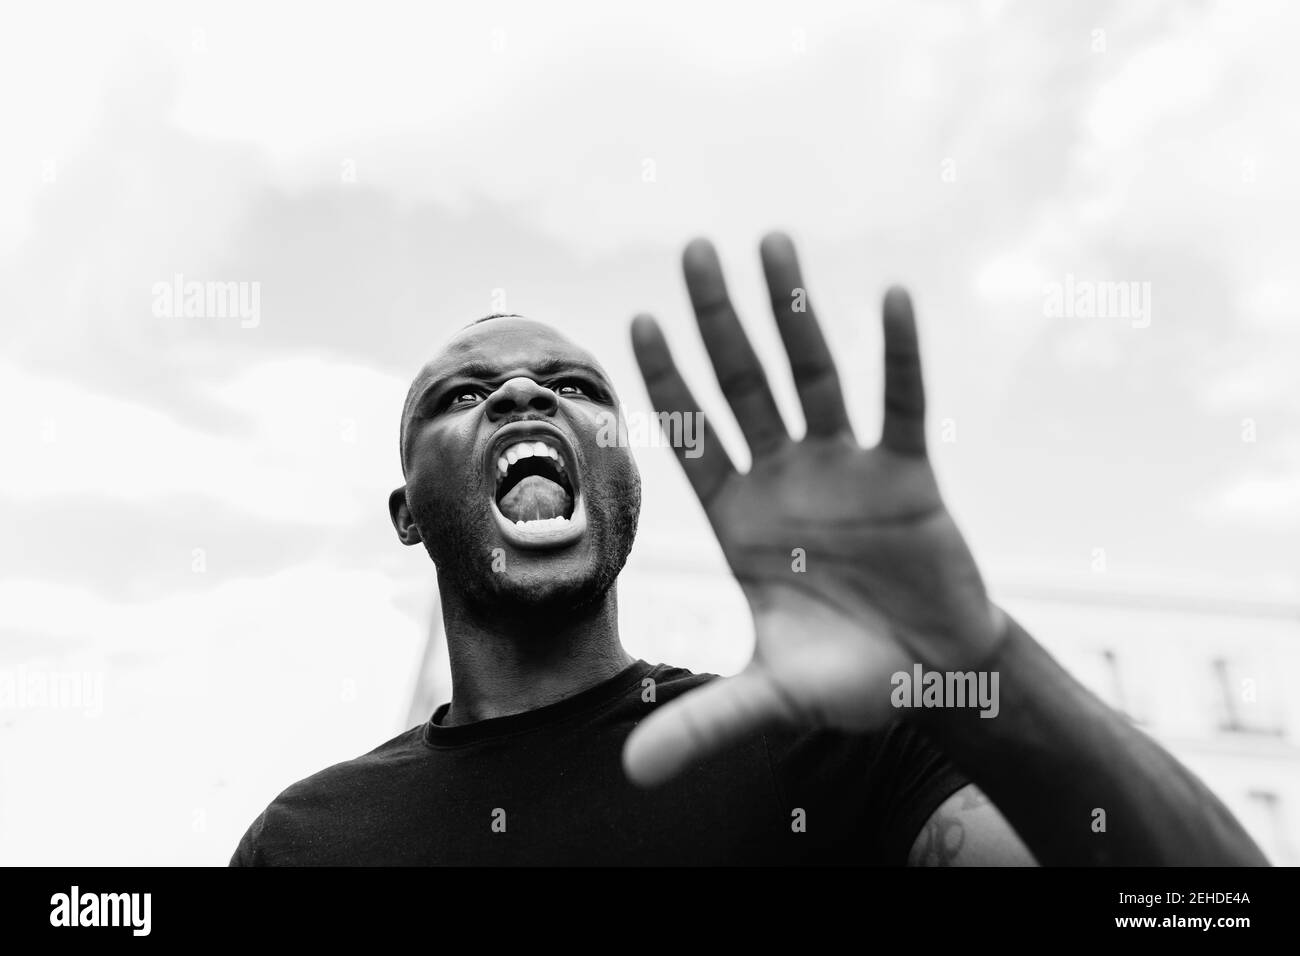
499	405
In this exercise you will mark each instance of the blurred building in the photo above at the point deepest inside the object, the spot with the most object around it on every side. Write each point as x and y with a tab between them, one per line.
1212	678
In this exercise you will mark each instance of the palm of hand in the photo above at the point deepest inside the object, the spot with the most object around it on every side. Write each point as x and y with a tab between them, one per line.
851	564
839	551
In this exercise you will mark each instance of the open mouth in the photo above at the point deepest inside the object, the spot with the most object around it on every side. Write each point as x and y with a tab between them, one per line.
536	497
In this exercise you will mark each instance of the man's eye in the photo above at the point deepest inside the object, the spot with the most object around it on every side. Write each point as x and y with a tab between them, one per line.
464	396
569	387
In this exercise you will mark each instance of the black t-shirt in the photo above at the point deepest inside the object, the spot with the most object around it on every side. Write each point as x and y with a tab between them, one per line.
547	787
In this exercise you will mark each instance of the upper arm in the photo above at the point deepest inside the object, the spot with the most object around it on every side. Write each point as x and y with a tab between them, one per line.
968	830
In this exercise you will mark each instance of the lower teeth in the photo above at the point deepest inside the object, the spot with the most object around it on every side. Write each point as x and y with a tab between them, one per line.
543	524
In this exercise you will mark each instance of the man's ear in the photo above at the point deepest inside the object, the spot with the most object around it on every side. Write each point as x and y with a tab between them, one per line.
400	512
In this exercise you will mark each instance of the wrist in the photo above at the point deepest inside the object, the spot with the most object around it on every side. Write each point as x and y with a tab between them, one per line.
1018	683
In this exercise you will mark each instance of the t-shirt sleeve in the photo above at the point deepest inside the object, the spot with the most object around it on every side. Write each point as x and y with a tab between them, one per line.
865	797
915	778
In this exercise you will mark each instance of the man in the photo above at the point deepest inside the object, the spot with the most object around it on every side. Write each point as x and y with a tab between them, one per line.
557	747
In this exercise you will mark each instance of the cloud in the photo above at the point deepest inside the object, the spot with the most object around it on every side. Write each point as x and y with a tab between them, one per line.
313	435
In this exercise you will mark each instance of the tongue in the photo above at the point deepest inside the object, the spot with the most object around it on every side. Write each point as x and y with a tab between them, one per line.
534	498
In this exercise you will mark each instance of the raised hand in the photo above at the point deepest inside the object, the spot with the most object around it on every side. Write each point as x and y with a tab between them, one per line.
883	578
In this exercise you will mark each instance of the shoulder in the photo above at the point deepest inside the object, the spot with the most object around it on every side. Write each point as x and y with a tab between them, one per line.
670	681
897	755
389	757
895	761
896	747
285	830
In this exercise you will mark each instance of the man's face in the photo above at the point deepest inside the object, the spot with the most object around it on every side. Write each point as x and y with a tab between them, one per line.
518	504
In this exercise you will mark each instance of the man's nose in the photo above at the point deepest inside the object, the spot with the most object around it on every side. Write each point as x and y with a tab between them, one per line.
520	395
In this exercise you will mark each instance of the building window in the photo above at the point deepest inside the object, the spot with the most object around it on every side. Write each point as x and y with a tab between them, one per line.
1271	821
1245	708
1115	691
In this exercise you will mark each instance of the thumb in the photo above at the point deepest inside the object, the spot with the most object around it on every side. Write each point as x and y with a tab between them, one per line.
701	723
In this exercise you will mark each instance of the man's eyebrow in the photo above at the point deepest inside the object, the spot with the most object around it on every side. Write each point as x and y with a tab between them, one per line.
487	372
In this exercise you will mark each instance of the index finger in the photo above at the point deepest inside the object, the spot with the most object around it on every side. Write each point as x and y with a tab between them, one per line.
710	466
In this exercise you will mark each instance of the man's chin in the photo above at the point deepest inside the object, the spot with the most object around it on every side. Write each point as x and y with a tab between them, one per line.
544	586
564	570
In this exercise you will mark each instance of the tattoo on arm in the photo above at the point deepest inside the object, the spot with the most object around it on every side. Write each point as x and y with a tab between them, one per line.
968	830
940	841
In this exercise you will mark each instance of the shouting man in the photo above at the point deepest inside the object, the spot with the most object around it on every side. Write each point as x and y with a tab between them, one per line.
559	748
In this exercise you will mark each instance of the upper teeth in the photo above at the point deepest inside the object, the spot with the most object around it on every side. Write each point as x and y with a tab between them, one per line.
527	449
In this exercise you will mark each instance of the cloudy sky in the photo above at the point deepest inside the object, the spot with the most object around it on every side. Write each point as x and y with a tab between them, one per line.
196	506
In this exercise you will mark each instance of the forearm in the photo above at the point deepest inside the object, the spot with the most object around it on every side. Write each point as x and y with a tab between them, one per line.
1055	755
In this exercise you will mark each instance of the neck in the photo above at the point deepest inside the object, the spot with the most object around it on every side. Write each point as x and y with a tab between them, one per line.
507	666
